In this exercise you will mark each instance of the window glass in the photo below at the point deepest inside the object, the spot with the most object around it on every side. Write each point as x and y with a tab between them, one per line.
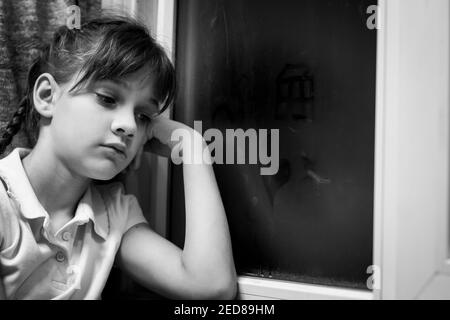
306	68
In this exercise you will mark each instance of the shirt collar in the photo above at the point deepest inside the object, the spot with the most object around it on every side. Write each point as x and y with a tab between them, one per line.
90	207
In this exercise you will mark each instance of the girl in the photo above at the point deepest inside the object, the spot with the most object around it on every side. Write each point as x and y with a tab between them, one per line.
91	110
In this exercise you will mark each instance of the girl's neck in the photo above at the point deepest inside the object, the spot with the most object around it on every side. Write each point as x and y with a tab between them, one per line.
56	188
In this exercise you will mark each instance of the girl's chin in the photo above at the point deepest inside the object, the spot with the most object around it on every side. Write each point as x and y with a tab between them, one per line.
104	175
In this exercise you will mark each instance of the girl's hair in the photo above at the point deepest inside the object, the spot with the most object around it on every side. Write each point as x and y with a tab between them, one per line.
109	47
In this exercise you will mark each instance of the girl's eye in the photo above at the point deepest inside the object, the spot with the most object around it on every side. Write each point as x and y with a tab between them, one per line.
144	117
105	100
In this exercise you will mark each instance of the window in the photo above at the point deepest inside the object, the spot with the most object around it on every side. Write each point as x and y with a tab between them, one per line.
307	68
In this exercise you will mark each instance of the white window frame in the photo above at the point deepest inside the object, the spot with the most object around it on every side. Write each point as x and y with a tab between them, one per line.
389	135
413	143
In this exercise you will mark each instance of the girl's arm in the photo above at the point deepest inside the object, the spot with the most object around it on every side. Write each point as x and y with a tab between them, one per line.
204	268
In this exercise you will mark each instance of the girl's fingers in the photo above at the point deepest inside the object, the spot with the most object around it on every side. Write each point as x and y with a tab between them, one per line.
155	146
162	129
149	129
165	134
154	128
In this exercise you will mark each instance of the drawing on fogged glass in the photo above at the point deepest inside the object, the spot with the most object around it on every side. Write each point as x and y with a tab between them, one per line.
307	68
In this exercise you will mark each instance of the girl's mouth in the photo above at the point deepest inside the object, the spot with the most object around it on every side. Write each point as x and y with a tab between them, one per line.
115	151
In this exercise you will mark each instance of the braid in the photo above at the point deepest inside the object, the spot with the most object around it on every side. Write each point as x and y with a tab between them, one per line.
25	106
14	125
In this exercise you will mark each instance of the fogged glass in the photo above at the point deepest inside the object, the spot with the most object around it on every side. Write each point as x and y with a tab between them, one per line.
306	68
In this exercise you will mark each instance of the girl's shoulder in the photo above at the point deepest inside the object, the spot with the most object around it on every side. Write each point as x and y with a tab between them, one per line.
8	215
6	207
115	196
121	206
113	186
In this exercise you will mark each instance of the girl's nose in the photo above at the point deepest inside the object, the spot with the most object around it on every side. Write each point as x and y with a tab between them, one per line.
124	126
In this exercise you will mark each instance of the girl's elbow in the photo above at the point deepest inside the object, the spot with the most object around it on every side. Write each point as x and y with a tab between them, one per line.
226	290
230	292
216	285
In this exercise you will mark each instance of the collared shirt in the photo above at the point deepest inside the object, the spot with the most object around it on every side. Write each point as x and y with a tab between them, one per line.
75	261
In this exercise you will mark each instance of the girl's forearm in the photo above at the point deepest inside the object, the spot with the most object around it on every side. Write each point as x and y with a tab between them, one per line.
207	253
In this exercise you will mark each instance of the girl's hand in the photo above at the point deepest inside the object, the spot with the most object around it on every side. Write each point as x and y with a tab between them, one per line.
159	138
159	134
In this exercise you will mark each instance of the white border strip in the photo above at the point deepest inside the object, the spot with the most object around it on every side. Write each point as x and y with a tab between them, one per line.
165	26
128	6
165	35
380	114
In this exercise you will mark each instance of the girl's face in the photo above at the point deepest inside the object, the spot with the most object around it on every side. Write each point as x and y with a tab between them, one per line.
97	131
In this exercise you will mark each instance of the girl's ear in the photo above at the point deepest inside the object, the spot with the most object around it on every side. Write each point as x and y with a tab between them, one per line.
45	93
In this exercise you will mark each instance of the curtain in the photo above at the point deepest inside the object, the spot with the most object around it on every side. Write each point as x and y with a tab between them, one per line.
23	25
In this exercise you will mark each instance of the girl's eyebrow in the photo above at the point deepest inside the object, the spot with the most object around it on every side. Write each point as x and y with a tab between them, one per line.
121	83
117	82
153	102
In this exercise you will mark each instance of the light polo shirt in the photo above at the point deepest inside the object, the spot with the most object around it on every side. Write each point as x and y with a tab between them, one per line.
74	262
